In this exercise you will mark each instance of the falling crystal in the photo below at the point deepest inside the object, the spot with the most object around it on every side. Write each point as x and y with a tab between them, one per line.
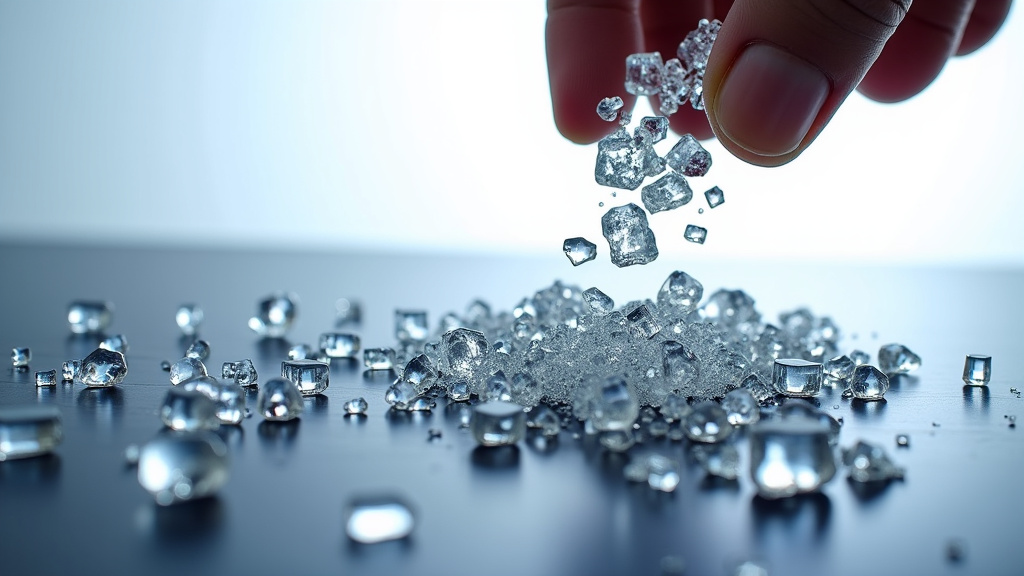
309	376
117	343
715	197
741	407
411	326
30	430
579	250
977	370
200	350
90	317
379	359
188	410
721	460
630	240
373	519
868	383
189	317
617	440
279	399
666	193
621	163
181	467
46	378
20	357
797	378
902	440
897	359
186	369
608	108
642	323
356	406
70	369
707	422
644	73
242	372
498	423
695	234
274	315
869	463
790	456
689	157
544	419
103	368
655	126
228	398
680	293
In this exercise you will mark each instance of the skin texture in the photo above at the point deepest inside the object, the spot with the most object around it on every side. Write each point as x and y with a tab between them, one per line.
779	70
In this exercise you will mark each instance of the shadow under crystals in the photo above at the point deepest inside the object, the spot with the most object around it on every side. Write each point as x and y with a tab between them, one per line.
976	397
495	458
800	520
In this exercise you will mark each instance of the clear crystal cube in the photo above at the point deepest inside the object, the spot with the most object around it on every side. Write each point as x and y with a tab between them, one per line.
340	344
279	400
897	359
186	369
356	406
200	350
620	161
790	456
655	126
689	157
642	323
681	293
597	301
695	234
977	369
20	357
46	378
666	193
498	423
714	196
797	378
411	326
630	239
379	359
274	315
309	376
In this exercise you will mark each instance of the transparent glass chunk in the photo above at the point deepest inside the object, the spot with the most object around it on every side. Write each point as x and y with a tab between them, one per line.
229	398
356	406
279	400
200	350
707	422
790	456
579	250
977	369
721	460
420	372
839	369
897	359
46	378
620	161
411	326
741	407
274	315
70	369
189	318
373	519
498	423
598	302
188	410
608	108
860	357
187	369
666	193
401	395
340	344
797	378
644	73
86	317
757	387
681	293
103	368
29	430
630	239
617	440
348	312
242	372
422	404
309	376
655	126
379	359
642	323
714	196
177	468
868	383
695	234
20	357
869	463
544	419
689	157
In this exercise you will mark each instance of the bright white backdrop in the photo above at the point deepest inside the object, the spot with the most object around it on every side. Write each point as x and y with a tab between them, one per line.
426	125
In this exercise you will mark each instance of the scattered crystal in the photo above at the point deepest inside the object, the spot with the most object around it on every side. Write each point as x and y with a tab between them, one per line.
369	520
275	315
608	108
544	419
689	157
464	352
356	406
598	302
644	73
757	387
229	399
498	423
630	240
379	359
790	456
117	343
309	376
620	161
30	430
70	369
869	463
411	326
279	399
20	357
839	369
242	372
46	378
797	378
579	250
103	368
662	473
617	440
695	234
420	372
869	383
860	357
897	359
422	404
977	369
666	193
741	407
188	410
721	460
90	317
186	369
681	293
707	422
497	388
714	196
642	323
301	352
902	440
189	317
401	395
200	350
180	467
612	403
655	126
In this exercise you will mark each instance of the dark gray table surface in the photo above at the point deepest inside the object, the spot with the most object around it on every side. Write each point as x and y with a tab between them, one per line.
561	510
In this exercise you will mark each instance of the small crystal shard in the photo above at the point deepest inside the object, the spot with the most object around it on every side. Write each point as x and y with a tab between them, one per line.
200	350
608	108
721	460
379	359
797	378
598	302
301	352
189	317
90	317
977	370
707	422
689	157
186	369
411	326
20	357
46	378
630	240
340	344
642	323
715	197
869	463
897	359
498	423
612	402
868	383
579	250
279	400
790	456
309	376
70	369
373	519
695	234
181	467
274	315
356	406
741	407
839	369
30	430
620	161
644	73
421	373
242	372
680	293
188	410
401	395
229	398
117	343
695	49
103	368
666	193
860	357
655	126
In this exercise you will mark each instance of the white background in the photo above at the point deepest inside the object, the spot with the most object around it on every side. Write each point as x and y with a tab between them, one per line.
426	125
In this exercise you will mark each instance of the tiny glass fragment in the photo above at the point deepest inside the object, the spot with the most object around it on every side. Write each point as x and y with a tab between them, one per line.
695	234
356	406
103	368
20	357
379	359
630	239
274	315
340	344
608	108
309	376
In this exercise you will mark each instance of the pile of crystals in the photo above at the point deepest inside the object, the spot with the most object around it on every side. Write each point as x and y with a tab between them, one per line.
681	79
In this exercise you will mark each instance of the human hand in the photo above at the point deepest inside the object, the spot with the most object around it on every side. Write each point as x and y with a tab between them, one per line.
779	69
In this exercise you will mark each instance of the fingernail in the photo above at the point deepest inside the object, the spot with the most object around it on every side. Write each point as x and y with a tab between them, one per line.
769	99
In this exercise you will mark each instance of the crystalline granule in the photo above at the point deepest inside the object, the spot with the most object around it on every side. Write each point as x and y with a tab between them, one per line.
620	162
689	157
695	234
667	193
608	108
694	50
630	240
579	250
644	73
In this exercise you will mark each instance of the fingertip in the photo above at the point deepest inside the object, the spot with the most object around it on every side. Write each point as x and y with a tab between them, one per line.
689	121
578	122
986	19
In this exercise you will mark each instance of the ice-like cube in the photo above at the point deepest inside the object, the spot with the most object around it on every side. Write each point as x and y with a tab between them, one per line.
869	463
181	467
666	193
868	383
790	456
796	377
188	318
689	157
186	369
630	239
707	422
695	234
620	161
897	359
642	323
411	326
85	317
839	368
30	430
644	73
242	372
70	369
597	301
608	108
188	410
279	400
714	196
379	359
614	404
401	395
309	376
498	423
681	293
340	344
20	357
103	368
356	406
46	378
579	250
274	315
977	369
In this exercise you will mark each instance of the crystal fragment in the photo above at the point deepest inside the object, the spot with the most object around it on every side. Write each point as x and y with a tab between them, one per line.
379	359
186	369
103	368
46	378
401	395
797	378
20	357
309	376
644	73
459	391
274	315
790	456
613	403
869	463
544	418
860	357
617	440
689	157
279	400
229	398
666	193
630	240
340	344
497	388
86	317
695	49
117	343
70	369
741	407
498	423
30	430
653	164
464	351
422	404
757	387
188	318
579	250
608	108
356	406
707	422
242	372
411	326
620	161
188	410
420	372
839	368
681	293
642	323
655	126
200	350
695	234
897	359
181	467
714	196
373	519
868	383
721	460
977	370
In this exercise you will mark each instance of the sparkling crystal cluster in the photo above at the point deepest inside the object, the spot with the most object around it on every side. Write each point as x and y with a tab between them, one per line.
680	80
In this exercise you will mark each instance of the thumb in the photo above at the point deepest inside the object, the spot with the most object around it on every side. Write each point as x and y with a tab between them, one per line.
781	68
